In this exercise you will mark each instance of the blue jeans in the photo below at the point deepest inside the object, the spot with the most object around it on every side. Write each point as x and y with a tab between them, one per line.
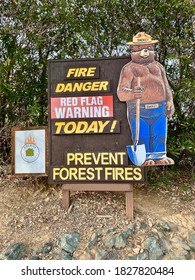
153	127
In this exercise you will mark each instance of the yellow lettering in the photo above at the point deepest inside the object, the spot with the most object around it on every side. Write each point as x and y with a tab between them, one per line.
87	159
105	158
81	72
121	156
73	173
129	173
108	172
113	158
68	87
59	87
71	71
78	158
59	126
96	159
95	86
81	127
90	173
102	125
66	173
82	173
77	87
70	157
55	172
91	71
70	127
93	127
82	86
98	169
119	173
137	174
103	85
87	86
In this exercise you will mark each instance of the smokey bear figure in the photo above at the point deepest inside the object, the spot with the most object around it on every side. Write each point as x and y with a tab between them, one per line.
154	93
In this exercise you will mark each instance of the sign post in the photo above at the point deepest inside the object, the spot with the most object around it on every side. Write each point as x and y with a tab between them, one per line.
88	129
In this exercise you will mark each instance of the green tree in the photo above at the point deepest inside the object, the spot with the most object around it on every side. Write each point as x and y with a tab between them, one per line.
31	32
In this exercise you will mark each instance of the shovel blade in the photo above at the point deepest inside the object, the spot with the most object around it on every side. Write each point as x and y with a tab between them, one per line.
137	154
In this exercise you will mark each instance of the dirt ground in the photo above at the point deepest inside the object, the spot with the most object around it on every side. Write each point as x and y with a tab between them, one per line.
31	210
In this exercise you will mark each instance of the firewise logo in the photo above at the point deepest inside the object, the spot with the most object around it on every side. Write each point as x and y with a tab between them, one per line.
30	152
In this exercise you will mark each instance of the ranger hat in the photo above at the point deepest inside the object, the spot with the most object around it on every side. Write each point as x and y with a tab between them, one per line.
142	38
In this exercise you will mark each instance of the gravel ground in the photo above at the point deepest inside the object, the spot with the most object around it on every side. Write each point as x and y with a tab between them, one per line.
31	211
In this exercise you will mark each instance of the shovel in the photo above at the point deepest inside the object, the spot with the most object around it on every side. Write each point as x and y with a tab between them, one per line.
137	153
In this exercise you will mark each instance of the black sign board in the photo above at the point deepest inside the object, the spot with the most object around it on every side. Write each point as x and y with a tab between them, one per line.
88	129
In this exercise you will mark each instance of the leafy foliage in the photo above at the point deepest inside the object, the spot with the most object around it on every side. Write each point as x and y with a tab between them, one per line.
31	32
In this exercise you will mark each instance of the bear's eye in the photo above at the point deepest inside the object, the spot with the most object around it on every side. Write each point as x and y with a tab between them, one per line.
150	48
136	49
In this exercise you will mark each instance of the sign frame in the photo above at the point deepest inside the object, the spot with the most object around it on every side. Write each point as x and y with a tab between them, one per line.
62	129
21	144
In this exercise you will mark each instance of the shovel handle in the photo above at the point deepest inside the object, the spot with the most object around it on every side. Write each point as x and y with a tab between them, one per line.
137	114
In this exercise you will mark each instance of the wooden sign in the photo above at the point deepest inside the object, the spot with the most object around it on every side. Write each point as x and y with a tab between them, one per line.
88	128
29	151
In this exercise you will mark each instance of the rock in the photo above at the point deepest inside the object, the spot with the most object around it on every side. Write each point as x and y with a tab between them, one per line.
105	255
100	254
47	247
165	226
143	256
15	252
156	254
68	241
179	254
66	256
112	255
140	256
120	241
109	241
151	244
143	226
93	241
161	241
133	257
105	231
179	242
35	258
165	245
57	254
129	231
191	240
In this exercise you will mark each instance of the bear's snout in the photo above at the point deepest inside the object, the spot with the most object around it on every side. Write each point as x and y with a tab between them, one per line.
144	53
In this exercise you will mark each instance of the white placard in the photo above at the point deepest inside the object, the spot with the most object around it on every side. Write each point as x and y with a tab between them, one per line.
29	155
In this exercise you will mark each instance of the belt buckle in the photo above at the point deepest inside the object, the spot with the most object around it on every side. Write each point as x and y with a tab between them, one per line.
151	106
